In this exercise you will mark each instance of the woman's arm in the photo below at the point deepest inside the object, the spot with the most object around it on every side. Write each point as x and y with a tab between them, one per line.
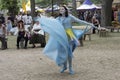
80	21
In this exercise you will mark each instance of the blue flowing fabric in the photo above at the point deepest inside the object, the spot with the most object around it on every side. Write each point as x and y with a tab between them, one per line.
78	34
58	47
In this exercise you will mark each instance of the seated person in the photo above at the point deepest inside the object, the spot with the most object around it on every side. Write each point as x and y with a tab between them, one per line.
3	33
22	34
37	35
95	21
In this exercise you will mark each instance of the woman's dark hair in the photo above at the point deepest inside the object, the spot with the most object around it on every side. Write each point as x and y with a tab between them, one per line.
66	11
22	24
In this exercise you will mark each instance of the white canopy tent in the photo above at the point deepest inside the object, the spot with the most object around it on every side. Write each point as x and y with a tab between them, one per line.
87	4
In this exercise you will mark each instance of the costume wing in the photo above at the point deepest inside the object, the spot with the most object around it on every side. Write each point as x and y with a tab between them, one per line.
79	34
57	47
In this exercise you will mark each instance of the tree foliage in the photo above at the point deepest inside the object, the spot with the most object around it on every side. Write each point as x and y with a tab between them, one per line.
10	5
46	3
32	7
96	1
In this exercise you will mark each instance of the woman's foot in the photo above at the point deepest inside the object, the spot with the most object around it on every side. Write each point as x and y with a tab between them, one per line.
17	46
71	71
63	69
25	47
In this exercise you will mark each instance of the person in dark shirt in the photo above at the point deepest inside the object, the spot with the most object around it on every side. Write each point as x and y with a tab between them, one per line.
2	19
22	34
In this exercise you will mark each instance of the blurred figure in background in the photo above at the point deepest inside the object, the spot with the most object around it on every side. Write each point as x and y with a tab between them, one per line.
37	35
95	21
3	36
22	34
2	18
118	15
8	26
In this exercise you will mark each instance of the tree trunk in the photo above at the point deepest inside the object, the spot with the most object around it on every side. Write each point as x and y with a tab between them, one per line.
106	13
58	2
61	2
52	8
74	11
32	8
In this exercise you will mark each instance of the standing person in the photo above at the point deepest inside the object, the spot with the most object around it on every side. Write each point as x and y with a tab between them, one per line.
118	15
66	20
2	18
11	18
27	19
21	34
9	26
19	16
3	36
62	38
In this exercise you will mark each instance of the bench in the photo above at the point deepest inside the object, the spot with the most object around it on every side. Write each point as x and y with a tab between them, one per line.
88	34
115	26
103	31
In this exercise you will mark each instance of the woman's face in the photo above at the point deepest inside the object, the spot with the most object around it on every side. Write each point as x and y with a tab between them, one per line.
62	10
21	23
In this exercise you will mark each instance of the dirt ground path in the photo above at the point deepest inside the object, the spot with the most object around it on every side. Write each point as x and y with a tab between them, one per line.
99	59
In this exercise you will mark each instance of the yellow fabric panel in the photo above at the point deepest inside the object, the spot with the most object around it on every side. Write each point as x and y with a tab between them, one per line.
24	6
70	33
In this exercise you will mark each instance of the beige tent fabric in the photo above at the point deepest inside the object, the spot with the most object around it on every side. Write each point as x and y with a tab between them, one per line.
116	1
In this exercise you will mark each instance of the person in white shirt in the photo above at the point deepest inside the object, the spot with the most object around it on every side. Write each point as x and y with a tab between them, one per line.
37	35
27	21
19	16
37	28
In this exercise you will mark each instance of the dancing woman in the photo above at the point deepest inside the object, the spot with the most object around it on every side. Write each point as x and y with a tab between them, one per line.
66	20
63	39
